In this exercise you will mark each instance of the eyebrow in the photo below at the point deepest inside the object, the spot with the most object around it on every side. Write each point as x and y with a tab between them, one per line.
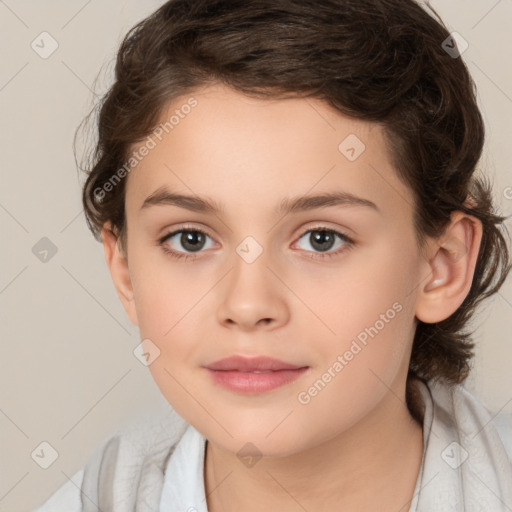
162	196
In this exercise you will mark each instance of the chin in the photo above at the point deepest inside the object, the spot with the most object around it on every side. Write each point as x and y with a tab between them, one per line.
253	446
264	439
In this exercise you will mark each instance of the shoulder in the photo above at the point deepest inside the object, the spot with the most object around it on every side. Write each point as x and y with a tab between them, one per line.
472	416
498	421
503	424
128	466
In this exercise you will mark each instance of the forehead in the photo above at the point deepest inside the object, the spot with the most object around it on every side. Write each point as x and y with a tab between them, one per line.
247	152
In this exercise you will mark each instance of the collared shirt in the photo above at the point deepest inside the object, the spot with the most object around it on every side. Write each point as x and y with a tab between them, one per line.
159	465
184	489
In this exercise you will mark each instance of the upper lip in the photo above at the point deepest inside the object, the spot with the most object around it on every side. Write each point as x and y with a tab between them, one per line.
250	364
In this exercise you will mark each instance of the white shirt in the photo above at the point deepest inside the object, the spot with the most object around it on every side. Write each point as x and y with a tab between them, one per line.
186	467
466	464
183	489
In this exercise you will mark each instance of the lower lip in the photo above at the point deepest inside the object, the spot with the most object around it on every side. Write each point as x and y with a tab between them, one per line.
249	382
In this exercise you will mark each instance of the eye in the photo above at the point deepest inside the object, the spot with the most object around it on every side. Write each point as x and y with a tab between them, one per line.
322	239
192	240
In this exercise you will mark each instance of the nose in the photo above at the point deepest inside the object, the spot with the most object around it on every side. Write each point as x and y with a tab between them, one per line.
253	297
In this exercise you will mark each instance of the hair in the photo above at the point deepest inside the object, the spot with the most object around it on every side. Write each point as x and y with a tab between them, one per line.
382	61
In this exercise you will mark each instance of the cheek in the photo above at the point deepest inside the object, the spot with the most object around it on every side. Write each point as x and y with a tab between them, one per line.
169	301
167	295
370	314
364	297
356	376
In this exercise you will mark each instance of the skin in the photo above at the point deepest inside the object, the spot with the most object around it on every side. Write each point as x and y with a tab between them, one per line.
354	446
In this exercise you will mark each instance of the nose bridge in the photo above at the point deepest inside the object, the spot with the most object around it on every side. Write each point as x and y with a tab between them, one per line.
252	292
250	274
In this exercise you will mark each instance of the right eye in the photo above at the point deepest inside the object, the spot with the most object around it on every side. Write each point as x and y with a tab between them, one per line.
192	240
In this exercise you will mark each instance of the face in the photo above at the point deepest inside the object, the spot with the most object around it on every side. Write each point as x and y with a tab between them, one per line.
327	288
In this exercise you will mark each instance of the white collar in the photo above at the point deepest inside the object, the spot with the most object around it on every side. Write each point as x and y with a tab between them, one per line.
183	489
465	466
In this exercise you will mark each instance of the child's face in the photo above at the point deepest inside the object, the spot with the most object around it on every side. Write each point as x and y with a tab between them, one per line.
248	156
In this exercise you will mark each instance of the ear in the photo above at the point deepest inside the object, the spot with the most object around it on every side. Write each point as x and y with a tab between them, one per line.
450	268
119	271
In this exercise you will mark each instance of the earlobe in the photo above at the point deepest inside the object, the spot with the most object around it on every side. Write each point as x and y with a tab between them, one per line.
119	271
450	269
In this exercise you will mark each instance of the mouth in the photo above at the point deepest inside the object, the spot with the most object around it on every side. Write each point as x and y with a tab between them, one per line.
253	375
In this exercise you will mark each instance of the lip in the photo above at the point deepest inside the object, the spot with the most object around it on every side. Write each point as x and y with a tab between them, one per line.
253	375
251	364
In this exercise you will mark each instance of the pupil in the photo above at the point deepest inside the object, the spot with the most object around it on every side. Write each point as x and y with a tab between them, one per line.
322	240
190	239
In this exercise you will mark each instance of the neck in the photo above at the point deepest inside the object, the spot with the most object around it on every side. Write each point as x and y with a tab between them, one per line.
375	464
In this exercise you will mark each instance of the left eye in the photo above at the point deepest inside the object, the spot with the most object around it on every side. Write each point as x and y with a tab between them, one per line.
322	239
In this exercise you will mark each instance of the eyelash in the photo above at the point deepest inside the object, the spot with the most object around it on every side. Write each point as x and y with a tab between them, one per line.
349	243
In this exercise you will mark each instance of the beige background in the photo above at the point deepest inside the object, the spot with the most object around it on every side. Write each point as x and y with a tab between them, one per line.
68	373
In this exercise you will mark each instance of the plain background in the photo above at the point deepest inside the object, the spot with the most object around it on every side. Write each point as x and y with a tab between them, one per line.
68	373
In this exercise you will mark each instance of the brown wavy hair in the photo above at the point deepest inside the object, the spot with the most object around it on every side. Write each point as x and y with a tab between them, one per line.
378	60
